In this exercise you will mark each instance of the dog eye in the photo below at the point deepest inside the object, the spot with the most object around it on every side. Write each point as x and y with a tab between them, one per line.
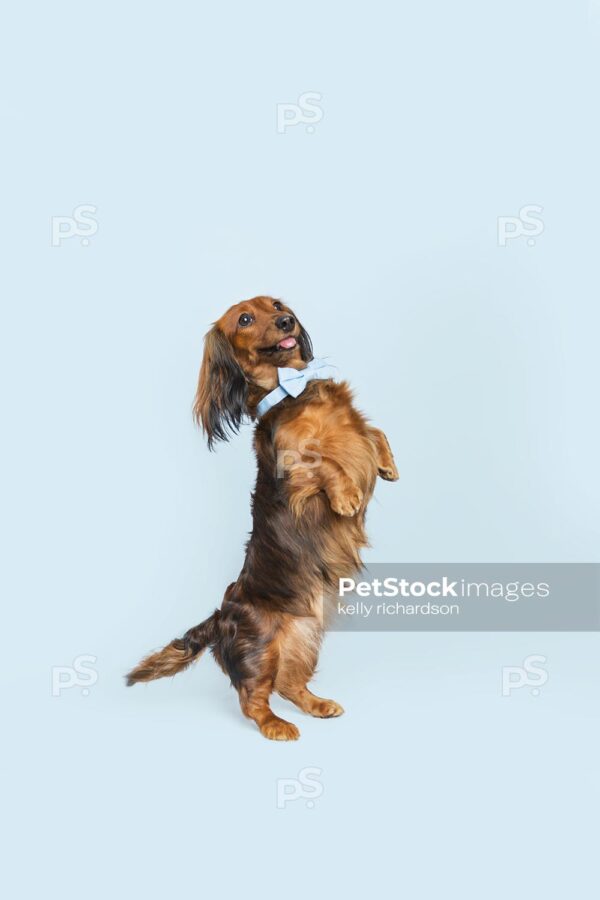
277	305
244	319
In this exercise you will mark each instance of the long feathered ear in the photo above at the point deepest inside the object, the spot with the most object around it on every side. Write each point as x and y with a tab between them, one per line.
220	403
305	344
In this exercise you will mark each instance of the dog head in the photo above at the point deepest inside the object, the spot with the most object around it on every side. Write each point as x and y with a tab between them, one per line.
242	353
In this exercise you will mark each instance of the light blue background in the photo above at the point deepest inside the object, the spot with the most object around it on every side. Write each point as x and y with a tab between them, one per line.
120	530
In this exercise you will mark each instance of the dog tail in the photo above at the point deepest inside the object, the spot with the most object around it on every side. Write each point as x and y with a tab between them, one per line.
177	655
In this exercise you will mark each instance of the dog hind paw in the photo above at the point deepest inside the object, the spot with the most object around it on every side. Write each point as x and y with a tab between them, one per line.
327	709
279	730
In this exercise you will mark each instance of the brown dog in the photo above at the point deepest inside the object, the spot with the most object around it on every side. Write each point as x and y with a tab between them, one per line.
317	463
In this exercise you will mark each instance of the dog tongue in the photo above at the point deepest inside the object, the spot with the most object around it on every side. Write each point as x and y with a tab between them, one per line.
287	343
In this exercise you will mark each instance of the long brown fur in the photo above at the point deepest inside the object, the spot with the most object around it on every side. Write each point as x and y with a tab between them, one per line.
318	459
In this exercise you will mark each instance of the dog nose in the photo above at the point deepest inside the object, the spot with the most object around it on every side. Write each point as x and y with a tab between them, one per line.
285	323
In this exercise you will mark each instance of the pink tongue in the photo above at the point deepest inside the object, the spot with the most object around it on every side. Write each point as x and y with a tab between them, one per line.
287	343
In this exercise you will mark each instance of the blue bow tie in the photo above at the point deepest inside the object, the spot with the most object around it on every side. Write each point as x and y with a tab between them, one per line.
292	382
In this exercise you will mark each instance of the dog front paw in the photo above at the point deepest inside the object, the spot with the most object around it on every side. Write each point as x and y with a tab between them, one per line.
346	500
388	473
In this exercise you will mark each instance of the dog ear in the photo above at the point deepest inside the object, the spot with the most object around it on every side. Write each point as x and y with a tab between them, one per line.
220	402
305	344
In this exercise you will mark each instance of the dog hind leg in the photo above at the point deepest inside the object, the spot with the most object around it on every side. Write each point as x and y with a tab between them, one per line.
299	642
251	659
254	700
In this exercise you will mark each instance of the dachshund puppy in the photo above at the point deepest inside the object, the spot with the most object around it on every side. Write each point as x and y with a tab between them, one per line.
318	459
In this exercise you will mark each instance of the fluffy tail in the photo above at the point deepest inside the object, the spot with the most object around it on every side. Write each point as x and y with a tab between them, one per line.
177	655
